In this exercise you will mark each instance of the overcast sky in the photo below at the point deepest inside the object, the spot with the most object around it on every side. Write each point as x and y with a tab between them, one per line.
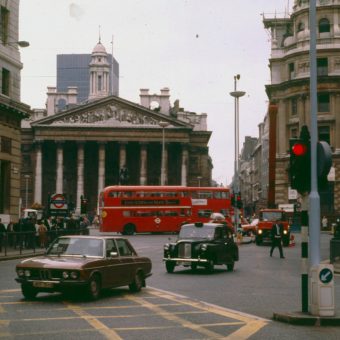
194	47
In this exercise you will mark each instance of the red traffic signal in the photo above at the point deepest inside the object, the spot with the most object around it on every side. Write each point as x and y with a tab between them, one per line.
300	166
299	149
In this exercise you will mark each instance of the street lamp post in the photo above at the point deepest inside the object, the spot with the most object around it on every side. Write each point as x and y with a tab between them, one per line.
163	125
27	177
199	180
236	94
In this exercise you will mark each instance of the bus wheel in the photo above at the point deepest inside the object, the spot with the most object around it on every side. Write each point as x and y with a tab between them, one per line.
129	229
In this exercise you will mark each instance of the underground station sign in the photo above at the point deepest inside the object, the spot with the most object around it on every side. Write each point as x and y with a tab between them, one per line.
58	204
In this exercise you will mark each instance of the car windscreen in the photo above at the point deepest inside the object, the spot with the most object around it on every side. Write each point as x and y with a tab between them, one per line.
77	247
192	232
272	216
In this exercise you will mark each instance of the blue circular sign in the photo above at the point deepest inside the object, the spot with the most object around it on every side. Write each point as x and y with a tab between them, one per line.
326	275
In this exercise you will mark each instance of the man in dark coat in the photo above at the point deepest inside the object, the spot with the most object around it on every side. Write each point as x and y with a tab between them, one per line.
2	234
276	236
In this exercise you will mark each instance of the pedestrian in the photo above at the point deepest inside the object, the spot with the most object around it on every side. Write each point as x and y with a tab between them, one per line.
42	234
276	236
324	222
2	234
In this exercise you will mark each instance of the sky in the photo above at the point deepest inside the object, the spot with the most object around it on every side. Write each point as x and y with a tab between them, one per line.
193	47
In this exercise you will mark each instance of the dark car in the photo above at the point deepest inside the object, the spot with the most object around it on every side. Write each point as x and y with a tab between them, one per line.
202	244
84	264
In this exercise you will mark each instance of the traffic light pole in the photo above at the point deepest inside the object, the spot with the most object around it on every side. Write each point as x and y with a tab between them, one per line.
314	198
321	294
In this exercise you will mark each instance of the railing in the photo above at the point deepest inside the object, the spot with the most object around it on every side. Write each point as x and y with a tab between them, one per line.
20	243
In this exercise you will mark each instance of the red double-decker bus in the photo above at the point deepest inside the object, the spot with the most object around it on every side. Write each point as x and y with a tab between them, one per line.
139	209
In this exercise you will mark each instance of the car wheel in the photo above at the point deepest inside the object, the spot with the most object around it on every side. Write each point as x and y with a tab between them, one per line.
210	266
193	266
258	241
137	283
129	229
170	266
230	266
94	287
28	292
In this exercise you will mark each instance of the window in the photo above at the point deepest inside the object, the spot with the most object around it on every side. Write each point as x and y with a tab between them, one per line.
324	134
294	106
6	145
99	83
5	82
323	102
322	66
291	71
4	15
294	133
300	27
324	26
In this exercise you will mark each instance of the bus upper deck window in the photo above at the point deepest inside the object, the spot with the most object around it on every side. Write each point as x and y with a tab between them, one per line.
113	194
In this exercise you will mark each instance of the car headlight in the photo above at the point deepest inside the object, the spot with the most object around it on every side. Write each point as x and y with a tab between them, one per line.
74	275
260	231
285	232
204	247
20	272
27	273
167	246
65	275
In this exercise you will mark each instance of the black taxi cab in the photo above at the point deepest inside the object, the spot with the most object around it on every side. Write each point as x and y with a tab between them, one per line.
204	245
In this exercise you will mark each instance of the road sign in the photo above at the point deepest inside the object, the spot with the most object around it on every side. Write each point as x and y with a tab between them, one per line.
58	201
326	275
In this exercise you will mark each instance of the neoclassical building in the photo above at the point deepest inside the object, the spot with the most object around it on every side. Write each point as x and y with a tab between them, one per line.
80	150
289	90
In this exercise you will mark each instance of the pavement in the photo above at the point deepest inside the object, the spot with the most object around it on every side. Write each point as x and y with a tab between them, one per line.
294	318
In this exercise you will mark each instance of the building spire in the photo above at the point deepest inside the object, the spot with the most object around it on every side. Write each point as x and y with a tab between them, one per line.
99	36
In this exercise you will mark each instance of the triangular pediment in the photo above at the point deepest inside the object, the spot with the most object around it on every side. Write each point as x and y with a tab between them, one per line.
108	112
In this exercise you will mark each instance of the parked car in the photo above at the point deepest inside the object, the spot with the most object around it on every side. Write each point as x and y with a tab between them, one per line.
84	264
202	244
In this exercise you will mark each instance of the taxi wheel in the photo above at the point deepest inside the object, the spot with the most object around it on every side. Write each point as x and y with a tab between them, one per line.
94	287
193	266
170	266
28	292
137	283
230	267
210	266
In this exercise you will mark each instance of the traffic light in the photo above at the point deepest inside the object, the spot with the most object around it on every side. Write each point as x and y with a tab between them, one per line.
300	166
324	164
239	203
232	197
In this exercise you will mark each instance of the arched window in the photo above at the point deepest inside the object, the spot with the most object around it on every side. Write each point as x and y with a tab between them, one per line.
324	25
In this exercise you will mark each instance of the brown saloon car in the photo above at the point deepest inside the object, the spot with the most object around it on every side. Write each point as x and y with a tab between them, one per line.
84	264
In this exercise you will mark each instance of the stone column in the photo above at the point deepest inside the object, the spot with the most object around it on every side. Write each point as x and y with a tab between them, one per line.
38	174
143	164
184	166
122	154
60	164
101	167
80	175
